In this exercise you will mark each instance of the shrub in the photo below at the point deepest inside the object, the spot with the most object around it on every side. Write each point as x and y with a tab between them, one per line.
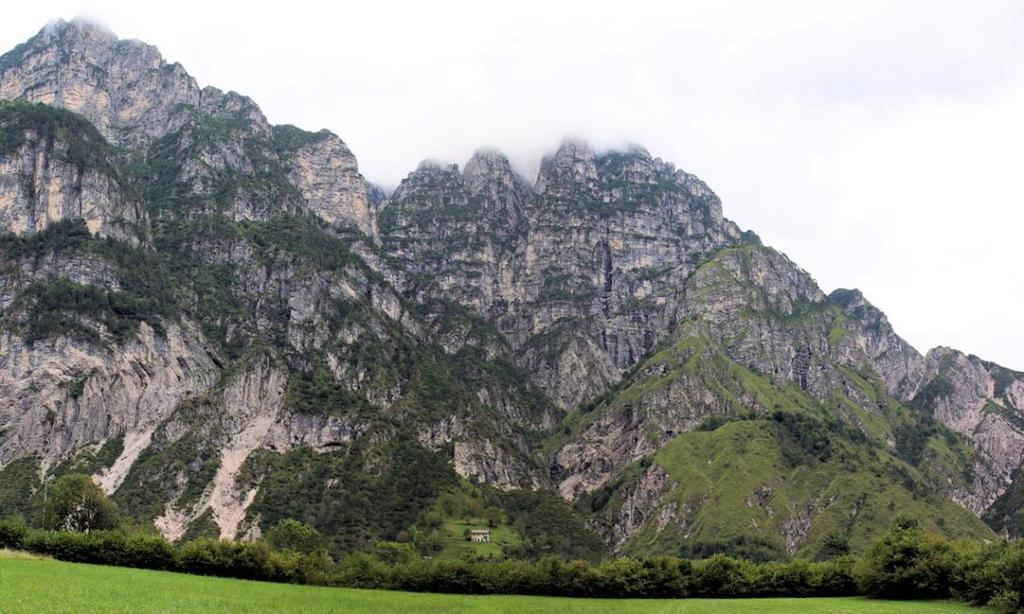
394	553
907	563
835	544
721	576
1010	568
149	552
294	536
299	568
657	577
836	577
993	575
96	547
795	578
76	503
105	548
222	557
361	570
12	533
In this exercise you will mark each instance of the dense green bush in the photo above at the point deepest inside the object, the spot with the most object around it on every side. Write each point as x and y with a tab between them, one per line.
221	557
76	503
249	560
719	576
835	544
992	574
722	576
1009	570
907	563
104	547
291	535
12	534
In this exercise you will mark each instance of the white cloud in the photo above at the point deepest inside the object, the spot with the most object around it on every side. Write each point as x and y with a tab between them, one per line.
877	143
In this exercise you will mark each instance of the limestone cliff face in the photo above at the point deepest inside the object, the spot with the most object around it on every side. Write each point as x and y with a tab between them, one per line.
325	172
899	365
973	397
453	239
580	273
85	380
245	413
642	504
748	309
61	395
49	175
175	344
979	400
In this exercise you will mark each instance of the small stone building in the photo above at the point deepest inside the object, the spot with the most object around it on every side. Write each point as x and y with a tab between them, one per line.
480	535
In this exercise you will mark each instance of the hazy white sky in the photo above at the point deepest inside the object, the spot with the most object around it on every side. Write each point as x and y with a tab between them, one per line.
878	144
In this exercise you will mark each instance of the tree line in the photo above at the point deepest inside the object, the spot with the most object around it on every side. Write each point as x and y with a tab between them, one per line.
905	563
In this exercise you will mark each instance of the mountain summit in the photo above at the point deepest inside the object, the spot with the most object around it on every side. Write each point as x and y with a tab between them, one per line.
226	325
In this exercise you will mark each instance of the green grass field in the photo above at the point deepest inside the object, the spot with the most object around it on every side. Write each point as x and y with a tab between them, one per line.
43	586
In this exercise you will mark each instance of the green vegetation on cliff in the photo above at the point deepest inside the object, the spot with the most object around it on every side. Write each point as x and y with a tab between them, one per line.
85	146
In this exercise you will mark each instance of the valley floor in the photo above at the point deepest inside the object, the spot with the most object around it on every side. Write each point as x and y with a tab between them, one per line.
28	584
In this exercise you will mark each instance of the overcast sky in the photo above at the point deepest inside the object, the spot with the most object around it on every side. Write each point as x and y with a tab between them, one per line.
878	144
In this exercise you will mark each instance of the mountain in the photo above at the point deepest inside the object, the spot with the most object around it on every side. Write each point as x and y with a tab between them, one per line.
227	325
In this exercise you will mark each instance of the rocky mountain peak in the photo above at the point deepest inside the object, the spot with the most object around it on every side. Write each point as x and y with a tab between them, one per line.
487	166
899	365
77	32
134	98
431	166
637	166
429	174
124	87
572	164
847	298
490	178
855	305
947	356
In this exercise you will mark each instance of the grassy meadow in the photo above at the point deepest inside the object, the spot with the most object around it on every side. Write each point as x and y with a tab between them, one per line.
36	585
